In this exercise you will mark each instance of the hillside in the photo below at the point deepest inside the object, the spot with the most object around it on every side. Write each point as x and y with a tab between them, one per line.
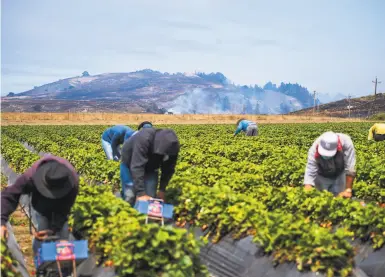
153	91
76	106
359	107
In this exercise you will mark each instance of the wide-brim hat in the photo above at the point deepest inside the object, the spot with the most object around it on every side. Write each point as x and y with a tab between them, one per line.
53	180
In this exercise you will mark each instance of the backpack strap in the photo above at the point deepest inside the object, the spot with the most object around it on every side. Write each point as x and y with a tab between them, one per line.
316	155
339	145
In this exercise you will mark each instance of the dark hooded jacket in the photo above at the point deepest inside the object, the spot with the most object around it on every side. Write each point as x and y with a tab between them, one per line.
55	210
145	151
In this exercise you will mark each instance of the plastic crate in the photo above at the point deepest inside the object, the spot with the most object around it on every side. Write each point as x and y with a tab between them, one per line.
167	211
63	251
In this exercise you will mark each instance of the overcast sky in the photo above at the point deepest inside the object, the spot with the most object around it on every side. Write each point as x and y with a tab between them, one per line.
329	46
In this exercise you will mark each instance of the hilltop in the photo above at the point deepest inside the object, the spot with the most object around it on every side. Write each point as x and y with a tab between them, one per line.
153	91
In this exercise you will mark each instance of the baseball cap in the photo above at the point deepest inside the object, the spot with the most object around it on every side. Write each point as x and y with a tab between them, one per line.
328	144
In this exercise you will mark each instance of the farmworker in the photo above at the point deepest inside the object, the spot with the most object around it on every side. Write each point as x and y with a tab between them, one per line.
331	164
247	126
142	156
145	124
52	184
377	132
112	138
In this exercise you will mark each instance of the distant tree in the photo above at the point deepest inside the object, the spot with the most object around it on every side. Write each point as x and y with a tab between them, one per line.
297	91
71	87
146	70
11	94
153	108
256	110
214	77
37	108
85	74
270	86
35	87
257	88
226	104
248	107
284	108
194	106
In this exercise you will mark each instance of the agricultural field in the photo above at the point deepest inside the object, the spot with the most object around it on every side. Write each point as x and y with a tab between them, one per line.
243	186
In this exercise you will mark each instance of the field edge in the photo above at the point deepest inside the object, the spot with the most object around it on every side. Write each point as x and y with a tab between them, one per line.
124	118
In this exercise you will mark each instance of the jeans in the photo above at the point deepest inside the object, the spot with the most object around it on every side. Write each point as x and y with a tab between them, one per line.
378	137
43	223
108	149
128	193
252	130
334	186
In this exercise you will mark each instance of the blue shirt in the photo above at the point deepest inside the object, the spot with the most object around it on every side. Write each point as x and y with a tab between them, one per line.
129	134
133	133
242	126
116	135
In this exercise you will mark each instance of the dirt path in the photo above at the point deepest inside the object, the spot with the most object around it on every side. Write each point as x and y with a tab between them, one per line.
20	227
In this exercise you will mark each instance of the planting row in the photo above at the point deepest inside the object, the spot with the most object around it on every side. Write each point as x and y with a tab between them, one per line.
117	233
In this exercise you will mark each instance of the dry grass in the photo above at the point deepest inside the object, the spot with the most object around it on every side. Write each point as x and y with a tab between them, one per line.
120	118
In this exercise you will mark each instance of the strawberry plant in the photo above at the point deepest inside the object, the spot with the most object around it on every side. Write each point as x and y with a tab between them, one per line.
8	263
240	186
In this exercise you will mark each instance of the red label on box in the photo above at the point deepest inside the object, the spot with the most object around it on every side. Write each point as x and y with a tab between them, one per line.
65	251
155	208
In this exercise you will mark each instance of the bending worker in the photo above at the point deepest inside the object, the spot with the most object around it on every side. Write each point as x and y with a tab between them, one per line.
247	126
377	132
142	156
53	185
112	138
145	124
331	164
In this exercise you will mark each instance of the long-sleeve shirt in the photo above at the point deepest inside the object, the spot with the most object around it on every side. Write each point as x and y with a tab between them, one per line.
24	185
116	135
142	153
242	126
311	170
129	134
378	128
